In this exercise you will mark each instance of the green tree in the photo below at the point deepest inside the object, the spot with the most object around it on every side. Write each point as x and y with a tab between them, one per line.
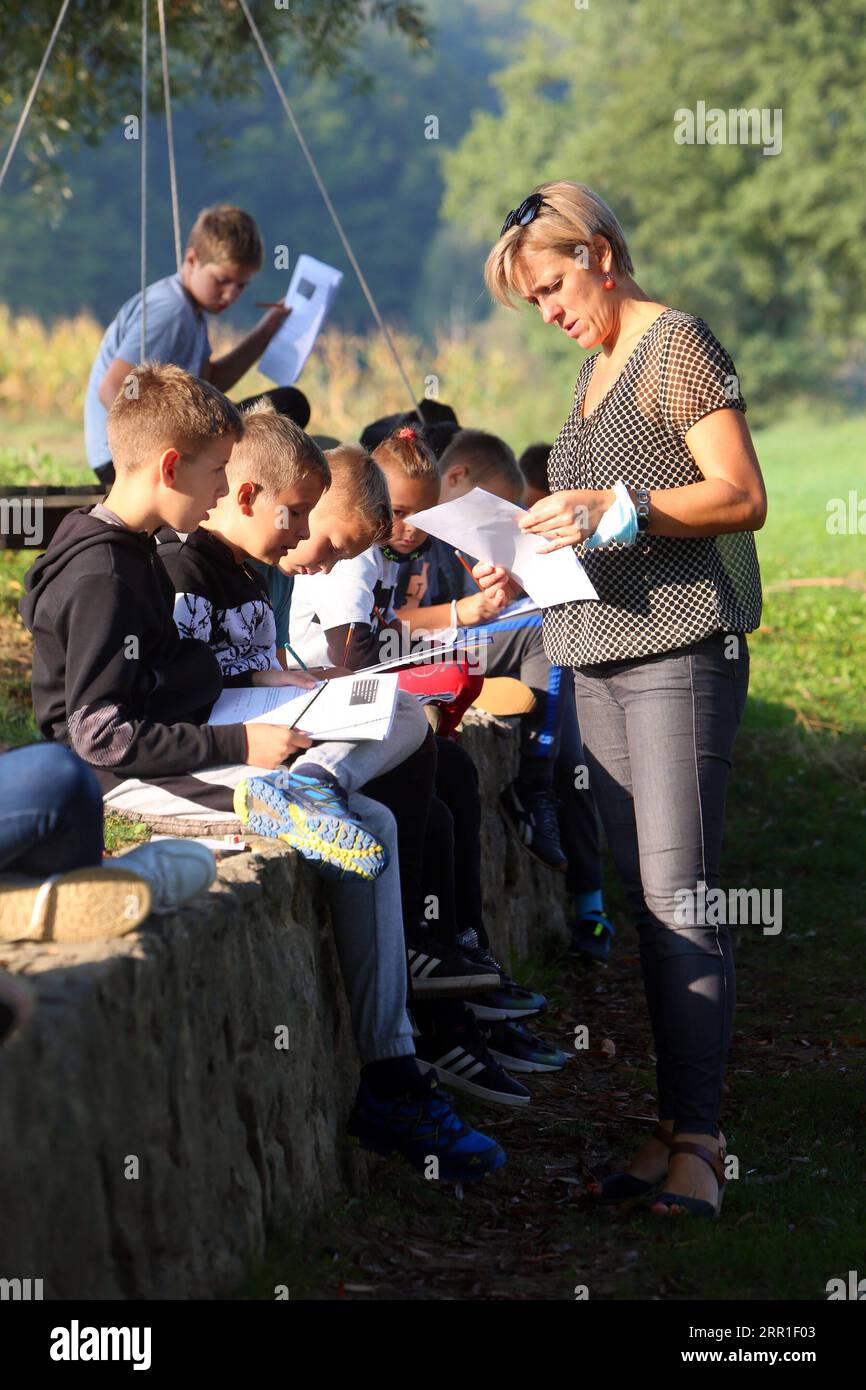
93	76
770	249
382	172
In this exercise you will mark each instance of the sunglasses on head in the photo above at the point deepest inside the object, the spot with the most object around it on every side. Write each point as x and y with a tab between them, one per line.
526	213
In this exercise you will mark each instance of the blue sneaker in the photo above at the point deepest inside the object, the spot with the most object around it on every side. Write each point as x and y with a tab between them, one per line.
592	936
421	1124
313	817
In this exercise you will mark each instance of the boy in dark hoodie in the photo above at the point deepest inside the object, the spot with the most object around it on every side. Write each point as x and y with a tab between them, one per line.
112	679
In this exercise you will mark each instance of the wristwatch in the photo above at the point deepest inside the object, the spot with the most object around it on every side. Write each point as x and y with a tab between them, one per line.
642	507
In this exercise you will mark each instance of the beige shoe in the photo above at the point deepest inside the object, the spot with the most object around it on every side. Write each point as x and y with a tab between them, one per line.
82	905
504	695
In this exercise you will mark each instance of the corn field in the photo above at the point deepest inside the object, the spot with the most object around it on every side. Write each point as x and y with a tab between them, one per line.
491	380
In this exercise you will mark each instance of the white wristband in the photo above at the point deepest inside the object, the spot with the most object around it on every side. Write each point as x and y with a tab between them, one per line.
454	618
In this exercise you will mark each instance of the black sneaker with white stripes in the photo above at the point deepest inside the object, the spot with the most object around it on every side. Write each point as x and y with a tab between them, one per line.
439	970
461	1059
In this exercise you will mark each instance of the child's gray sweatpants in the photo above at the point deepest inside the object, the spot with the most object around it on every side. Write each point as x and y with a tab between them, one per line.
368	930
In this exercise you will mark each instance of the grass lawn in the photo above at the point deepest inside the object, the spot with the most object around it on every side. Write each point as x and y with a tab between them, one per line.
795	1115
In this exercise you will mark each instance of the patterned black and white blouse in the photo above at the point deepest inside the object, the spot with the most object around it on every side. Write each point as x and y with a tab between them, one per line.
663	592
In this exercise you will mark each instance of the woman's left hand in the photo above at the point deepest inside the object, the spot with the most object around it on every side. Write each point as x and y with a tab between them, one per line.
566	518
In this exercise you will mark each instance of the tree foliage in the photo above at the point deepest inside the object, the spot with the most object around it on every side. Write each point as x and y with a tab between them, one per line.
383	175
93	76
770	249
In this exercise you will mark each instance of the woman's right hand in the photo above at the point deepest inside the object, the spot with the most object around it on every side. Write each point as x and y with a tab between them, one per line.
269	745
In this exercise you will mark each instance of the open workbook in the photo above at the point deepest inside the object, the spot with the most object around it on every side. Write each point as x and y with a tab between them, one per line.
344	709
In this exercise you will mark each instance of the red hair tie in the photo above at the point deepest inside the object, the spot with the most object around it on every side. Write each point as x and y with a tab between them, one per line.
407	432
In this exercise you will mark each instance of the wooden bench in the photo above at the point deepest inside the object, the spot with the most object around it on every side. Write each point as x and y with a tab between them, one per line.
29	516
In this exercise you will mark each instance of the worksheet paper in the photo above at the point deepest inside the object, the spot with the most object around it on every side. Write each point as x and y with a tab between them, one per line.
515	609
347	709
452	643
312	290
486	526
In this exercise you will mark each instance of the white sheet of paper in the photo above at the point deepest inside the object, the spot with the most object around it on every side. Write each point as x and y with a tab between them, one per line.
312	290
486	526
443	644
513	610
349	707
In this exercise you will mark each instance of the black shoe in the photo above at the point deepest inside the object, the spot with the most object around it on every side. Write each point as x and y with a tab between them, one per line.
513	1046
510	1000
462	1061
530	812
437	969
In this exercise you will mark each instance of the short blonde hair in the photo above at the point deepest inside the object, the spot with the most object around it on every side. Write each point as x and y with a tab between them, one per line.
572	217
226	233
274	452
160	406
408	451
359	483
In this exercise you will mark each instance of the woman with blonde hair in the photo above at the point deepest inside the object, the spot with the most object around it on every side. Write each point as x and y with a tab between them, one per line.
655	482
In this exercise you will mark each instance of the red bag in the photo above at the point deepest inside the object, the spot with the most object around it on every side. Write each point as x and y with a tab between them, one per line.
456	678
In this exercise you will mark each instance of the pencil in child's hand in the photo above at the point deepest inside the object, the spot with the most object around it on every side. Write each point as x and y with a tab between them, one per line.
315	695
303	665
379	616
348	641
273	304
467	568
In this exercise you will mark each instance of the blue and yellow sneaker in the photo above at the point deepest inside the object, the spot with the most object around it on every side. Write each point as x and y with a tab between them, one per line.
592	936
421	1124
311	815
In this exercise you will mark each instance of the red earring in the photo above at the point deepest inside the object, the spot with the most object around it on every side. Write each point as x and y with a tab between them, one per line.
608	282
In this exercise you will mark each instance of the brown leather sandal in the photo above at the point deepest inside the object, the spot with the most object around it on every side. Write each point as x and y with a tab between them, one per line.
696	1205
625	1187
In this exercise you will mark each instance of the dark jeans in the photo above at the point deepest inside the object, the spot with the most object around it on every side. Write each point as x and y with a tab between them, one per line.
658	734
50	812
457	786
287	400
517	650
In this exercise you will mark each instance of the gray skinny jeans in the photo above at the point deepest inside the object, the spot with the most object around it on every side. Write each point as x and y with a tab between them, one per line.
658	736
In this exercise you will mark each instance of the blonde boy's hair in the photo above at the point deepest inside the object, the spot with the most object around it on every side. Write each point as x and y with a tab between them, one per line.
160	406
407	450
226	233
572	217
358	483
274	452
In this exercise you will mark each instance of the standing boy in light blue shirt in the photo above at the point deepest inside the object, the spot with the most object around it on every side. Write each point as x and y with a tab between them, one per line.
223	253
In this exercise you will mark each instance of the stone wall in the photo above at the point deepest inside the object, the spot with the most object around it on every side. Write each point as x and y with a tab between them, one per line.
157	1052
